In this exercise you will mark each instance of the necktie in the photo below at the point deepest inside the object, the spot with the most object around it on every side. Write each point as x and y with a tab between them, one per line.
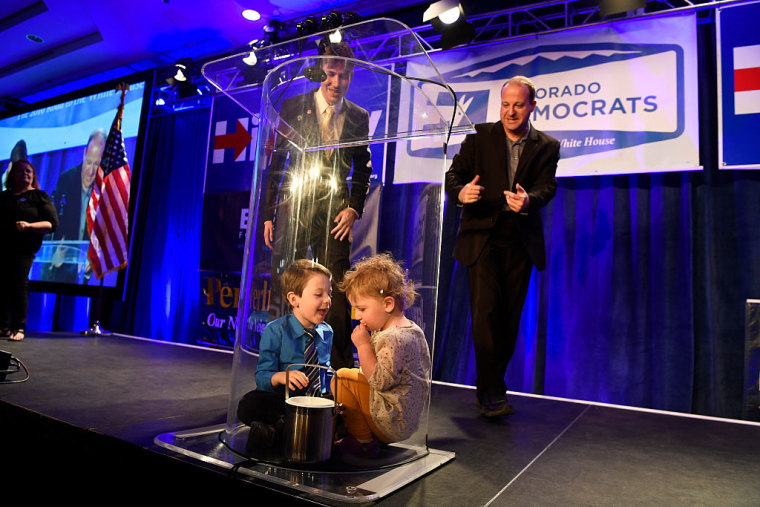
311	357
328	129
514	150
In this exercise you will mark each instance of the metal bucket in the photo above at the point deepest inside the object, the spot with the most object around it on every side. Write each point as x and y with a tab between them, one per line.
309	425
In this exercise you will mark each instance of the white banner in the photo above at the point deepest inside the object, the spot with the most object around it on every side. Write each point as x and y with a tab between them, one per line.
621	98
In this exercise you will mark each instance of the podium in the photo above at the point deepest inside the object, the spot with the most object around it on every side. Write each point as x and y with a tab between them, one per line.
396	104
61	261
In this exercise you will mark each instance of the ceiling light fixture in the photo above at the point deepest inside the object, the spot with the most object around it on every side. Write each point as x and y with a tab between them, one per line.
251	15
308	26
448	19
336	37
180	72
331	20
349	18
179	75
450	15
251	59
272	32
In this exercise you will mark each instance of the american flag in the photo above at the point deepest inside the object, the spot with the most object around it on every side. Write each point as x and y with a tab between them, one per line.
108	210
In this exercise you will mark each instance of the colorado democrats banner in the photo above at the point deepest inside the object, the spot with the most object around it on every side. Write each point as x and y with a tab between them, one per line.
738	86
620	98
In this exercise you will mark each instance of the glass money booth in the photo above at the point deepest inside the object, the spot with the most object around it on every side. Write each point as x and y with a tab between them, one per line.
381	154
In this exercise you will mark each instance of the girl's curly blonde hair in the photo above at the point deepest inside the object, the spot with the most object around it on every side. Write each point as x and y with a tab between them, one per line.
380	276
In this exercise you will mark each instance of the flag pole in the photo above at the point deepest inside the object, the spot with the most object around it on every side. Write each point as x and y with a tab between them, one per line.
95	329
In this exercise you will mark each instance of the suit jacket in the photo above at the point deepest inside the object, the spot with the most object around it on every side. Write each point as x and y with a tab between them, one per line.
485	153
67	198
300	115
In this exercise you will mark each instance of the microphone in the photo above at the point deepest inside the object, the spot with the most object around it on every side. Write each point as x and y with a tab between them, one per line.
314	73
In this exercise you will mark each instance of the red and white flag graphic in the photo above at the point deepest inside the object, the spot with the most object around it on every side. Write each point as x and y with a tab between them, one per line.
747	79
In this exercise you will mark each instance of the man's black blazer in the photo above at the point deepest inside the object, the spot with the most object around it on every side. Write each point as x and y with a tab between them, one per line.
485	153
300	114
67	198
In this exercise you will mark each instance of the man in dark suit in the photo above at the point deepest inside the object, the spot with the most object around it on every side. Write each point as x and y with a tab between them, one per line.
501	177
74	187
308	196
71	198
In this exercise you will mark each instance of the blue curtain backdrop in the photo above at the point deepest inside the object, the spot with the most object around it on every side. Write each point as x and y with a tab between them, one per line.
163	286
642	301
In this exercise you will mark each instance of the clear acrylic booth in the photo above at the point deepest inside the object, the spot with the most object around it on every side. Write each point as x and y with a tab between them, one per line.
397	107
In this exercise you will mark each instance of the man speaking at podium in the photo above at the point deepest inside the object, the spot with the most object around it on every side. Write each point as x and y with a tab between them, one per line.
71	198
308	192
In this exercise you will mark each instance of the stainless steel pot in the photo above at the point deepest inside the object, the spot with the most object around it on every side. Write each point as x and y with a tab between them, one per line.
309	425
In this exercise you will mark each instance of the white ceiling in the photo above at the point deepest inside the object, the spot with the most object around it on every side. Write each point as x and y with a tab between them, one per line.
91	41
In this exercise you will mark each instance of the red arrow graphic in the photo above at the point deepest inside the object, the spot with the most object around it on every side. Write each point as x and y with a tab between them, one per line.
238	140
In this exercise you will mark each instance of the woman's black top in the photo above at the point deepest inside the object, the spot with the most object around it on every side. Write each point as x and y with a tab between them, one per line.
30	206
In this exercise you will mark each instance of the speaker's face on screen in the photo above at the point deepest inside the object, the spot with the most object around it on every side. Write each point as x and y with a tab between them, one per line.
90	163
338	78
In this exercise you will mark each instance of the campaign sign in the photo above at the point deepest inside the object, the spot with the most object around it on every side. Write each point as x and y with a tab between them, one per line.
232	145
620	98
229	175
738	86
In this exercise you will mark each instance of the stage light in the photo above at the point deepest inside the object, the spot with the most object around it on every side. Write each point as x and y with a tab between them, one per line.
160	102
272	32
179	75
349	18
274	26
442	7
450	15
179	72
331	20
251	59
448	19
336	37
308	26
251	15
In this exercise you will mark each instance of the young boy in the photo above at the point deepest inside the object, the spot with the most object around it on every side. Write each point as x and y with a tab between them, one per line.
284	341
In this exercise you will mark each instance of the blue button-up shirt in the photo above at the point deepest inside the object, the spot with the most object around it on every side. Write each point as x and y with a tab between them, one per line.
283	342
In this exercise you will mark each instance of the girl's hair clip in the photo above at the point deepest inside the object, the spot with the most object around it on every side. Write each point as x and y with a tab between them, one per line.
381	291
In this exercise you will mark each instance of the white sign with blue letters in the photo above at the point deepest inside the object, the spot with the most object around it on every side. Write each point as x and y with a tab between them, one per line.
621	98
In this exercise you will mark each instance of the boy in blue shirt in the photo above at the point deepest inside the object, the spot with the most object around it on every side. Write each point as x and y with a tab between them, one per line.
285	341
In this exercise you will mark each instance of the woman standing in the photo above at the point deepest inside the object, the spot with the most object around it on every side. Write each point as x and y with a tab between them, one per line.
26	214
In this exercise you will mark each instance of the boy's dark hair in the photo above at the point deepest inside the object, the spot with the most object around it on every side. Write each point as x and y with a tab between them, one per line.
297	275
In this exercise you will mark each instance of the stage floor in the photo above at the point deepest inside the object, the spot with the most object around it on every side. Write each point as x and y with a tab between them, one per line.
125	391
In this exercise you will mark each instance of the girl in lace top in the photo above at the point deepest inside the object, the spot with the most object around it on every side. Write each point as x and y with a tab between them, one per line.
384	399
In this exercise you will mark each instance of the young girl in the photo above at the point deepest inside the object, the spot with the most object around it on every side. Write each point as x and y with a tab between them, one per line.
383	400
